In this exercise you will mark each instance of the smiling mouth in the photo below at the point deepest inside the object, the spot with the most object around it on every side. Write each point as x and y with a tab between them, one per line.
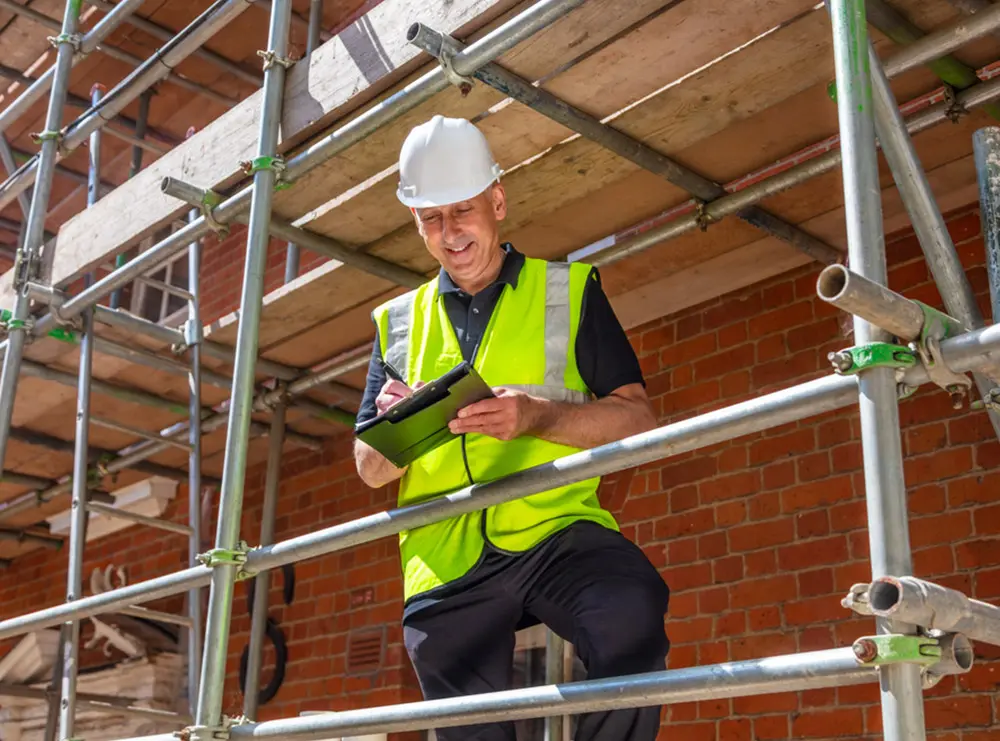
459	249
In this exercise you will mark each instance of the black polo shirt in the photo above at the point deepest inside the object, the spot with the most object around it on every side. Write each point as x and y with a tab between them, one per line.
604	355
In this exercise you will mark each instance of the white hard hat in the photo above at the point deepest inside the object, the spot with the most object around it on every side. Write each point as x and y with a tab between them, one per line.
443	161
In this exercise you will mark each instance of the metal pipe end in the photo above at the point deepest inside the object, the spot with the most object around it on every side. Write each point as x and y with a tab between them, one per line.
957	650
167	185
832	282
885	595
413	32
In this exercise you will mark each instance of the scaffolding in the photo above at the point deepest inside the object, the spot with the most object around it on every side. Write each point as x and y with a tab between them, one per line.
922	629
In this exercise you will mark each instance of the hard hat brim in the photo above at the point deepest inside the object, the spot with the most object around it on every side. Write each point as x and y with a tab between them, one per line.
444	198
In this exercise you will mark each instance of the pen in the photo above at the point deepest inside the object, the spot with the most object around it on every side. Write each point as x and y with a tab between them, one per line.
392	372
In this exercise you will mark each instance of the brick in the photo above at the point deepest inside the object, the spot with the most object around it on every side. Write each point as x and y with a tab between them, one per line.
833	432
814	466
778	295
782	446
974	489
785	369
713	709
704	731
941	528
818	698
762	646
770	348
733	459
690	631
733	486
988	584
730	312
847	575
727	569
972	428
816	582
730	513
937	466
735	730
770	727
764	506
977	553
691	398
761	535
811	611
683	498
682	578
848	516
689	350
734	334
767	591
812	524
986	519
764	618
926	438
724	362
734	384
726	626
846	458
816	494
685	472
713	545
781	319
958	712
817	638
761	563
682	550
934	561
648	507
655	339
681	377
858	544
761	704
828	723
779	475
927	500
687	523
714	600
689	326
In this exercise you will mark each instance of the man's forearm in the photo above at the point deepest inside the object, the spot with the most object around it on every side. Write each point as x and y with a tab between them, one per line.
373	467
591	425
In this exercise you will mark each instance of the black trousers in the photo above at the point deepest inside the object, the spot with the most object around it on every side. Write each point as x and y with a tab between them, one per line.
590	585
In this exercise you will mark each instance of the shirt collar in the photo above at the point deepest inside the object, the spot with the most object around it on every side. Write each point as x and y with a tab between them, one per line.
510	271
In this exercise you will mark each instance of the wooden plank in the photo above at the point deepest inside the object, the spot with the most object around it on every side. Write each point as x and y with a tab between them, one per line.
365	64
534	198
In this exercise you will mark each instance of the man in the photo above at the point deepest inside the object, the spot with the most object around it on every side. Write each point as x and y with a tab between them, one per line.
545	338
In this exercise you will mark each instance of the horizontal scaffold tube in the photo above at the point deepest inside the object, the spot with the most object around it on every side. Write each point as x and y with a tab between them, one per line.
755	415
794	673
934	607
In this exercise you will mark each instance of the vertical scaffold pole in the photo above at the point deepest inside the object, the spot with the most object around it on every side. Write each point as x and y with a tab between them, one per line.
986	148
902	694
28	256
78	506
555	673
265	169
193	338
312	43
262	583
928	223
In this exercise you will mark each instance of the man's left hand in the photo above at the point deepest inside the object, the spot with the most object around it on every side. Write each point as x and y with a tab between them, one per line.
507	416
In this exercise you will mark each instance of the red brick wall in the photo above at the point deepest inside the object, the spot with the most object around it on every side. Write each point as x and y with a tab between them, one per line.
759	538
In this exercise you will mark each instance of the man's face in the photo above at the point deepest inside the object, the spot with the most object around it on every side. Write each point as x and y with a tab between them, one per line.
465	236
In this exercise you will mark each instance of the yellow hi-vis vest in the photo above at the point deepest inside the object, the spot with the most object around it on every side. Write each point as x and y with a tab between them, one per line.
528	345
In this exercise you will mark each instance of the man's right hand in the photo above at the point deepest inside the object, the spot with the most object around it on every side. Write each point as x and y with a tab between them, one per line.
394	392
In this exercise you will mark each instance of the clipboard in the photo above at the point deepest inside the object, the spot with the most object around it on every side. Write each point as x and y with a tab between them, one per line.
419	424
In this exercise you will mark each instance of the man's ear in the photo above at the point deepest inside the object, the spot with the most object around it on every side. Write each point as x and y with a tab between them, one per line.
499	196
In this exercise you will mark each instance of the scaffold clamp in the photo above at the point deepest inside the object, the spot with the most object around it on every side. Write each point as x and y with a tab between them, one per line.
880	650
211	733
860	358
446	58
272	58
209	201
990	401
223	557
275	164
939	326
73	39
955	109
